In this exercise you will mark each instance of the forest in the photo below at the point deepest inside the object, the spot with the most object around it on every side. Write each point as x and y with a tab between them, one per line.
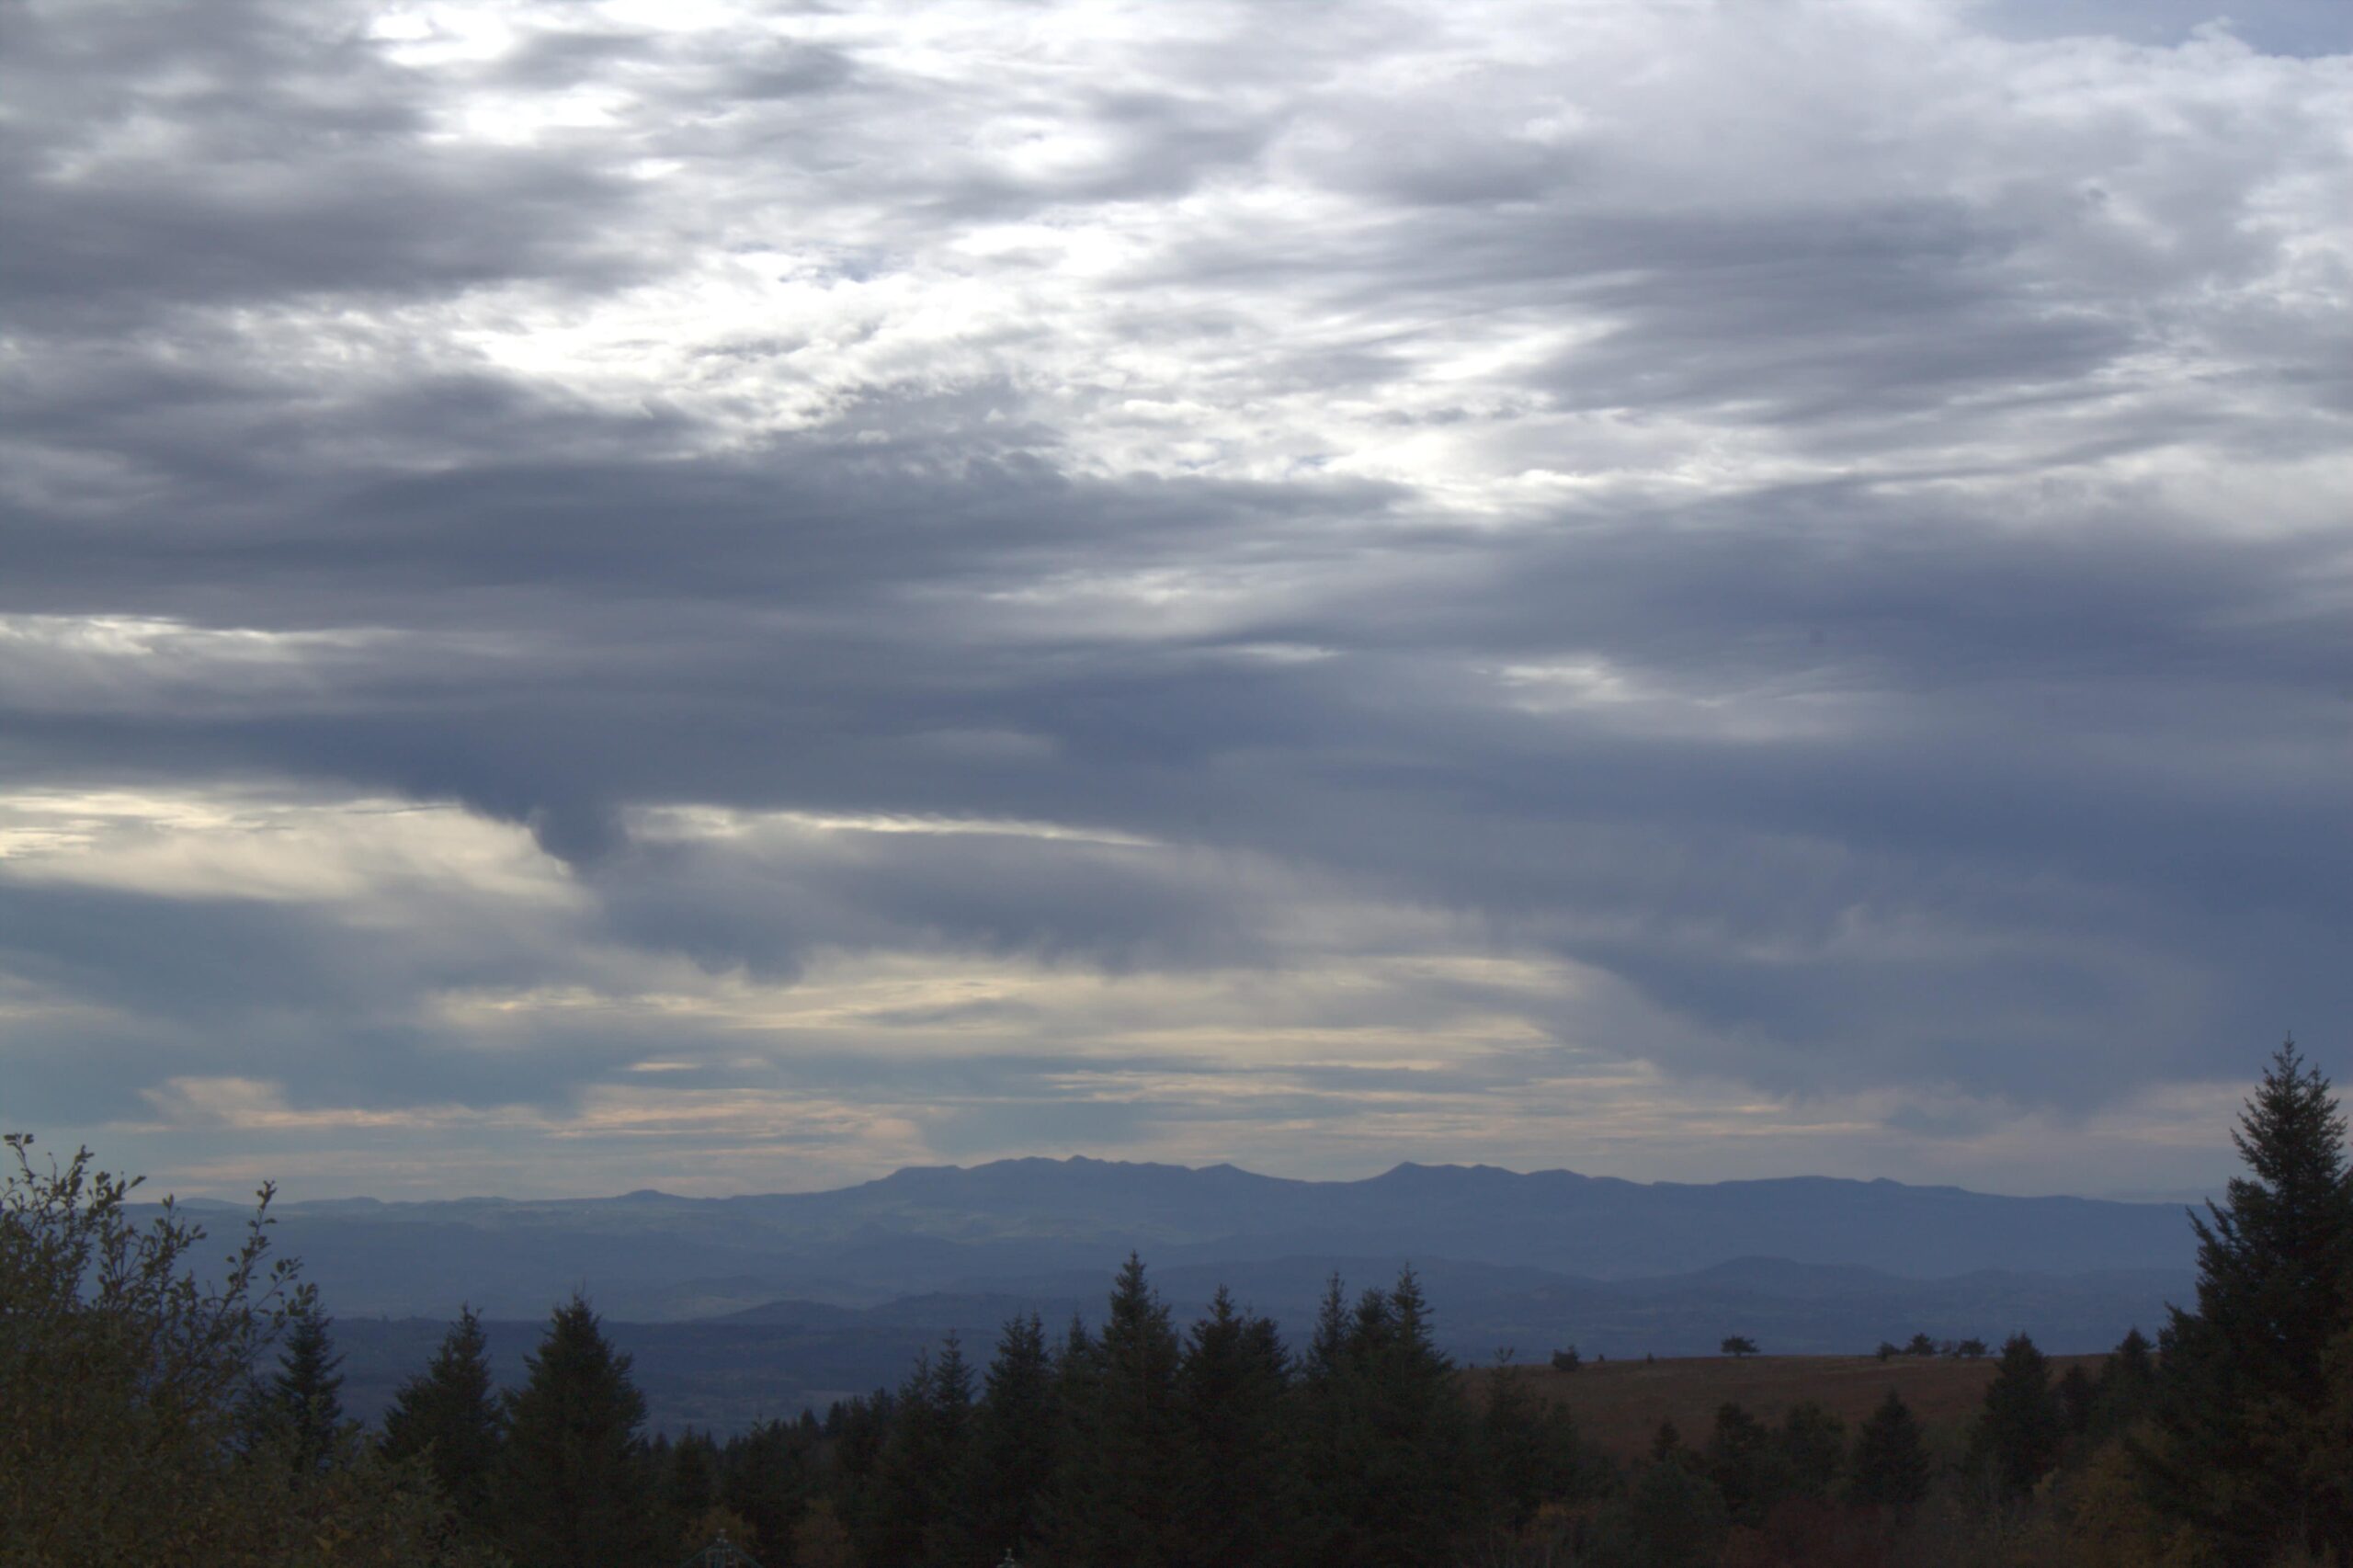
159	1412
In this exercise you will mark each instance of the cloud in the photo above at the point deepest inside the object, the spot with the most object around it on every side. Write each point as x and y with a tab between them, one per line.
1315	595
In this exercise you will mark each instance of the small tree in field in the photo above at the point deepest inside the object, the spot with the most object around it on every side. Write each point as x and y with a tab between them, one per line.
1739	1346
1890	1466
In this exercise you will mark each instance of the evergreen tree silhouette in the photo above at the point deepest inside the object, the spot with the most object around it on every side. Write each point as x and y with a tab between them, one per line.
1234	1500
448	1416
1397	1473
919	1519
2021	1426
305	1399
576	1490
1890	1468
1120	1460
1529	1451
1812	1443
2242	1390
1010	1460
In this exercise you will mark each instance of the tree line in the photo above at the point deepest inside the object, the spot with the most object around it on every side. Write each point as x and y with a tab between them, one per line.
152	1418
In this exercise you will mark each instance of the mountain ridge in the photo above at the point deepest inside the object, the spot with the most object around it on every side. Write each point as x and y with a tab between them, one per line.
908	1176
934	1228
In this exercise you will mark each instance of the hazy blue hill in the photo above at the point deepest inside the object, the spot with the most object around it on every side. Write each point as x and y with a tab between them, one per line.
651	1254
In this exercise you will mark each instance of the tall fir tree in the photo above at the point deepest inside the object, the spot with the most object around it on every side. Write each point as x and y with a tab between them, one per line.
1234	1502
686	1486
1404	1478
920	1520
305	1400
575	1489
1814	1449
2243	1395
1890	1467
1321	1423
858	1430
1529	1451
449	1417
2021	1424
767	1477
1010	1460
1064	1510
1117	1487
1750	1470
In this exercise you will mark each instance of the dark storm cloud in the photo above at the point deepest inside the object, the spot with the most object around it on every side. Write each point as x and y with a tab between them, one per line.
246	151
1952	730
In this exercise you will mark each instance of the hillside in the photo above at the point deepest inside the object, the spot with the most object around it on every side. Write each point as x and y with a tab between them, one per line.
1619	1404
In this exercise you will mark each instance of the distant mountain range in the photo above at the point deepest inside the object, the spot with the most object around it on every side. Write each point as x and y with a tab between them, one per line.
653	1256
739	1307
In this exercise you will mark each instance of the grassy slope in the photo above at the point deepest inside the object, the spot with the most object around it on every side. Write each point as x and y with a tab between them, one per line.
1620	1404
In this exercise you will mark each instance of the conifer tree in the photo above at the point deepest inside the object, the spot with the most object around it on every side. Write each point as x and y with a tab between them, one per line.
1890	1468
1062	1509
1117	1474
1529	1452
920	1520
686	1485
1319	1403
766	1476
304	1405
1671	1517
449	1417
2021	1426
1748	1467
858	1430
1812	1444
2242	1390
1329	1344
1404	1445
576	1490
1233	1502
1010	1461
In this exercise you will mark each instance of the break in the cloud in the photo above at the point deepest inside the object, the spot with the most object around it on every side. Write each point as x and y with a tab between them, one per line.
737	595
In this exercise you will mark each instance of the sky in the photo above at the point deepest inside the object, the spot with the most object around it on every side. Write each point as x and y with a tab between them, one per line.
731	597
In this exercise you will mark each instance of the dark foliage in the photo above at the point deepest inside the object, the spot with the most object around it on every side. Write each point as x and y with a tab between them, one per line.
301	1411
449	1418
1011	1456
2243	1404
2019	1432
576	1488
1890	1468
1234	1502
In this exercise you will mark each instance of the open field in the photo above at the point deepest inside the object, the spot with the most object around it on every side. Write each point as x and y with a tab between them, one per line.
1620	1404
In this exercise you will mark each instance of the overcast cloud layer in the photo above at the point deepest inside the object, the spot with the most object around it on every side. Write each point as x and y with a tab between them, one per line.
729	596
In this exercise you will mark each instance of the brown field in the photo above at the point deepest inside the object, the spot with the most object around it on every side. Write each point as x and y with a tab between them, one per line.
1618	1404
